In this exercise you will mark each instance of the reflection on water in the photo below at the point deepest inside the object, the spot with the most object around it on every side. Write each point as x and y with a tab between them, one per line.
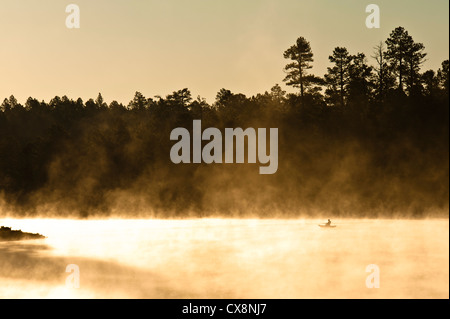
227	258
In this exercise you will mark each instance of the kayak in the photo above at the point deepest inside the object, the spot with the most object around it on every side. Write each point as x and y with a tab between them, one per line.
327	226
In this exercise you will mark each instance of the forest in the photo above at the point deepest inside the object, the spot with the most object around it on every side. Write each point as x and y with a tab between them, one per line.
370	138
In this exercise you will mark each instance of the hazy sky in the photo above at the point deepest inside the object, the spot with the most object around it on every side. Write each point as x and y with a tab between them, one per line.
159	46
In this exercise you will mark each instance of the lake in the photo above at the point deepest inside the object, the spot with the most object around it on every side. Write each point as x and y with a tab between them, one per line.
226	258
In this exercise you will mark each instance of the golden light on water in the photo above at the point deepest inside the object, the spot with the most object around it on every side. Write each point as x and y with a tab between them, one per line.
227	258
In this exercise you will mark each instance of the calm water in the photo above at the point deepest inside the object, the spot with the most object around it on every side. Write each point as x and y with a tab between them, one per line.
227	258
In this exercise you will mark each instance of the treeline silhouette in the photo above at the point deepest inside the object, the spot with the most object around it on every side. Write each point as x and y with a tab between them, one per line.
363	140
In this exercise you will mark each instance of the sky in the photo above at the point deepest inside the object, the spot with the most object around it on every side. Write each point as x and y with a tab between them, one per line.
160	46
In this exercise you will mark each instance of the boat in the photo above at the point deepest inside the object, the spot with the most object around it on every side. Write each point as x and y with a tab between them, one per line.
7	234
327	226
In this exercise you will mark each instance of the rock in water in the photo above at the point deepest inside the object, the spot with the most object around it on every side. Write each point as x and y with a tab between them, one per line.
6	234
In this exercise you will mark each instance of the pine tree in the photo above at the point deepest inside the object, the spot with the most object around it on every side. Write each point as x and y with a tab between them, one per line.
338	76
405	57
302	57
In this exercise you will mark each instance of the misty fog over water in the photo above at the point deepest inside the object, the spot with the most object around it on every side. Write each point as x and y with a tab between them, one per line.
193	154
227	258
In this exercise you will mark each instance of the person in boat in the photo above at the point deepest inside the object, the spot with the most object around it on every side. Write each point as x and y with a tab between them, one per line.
328	223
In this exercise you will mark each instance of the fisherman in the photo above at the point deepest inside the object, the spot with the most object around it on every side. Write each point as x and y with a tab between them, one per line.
329	222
